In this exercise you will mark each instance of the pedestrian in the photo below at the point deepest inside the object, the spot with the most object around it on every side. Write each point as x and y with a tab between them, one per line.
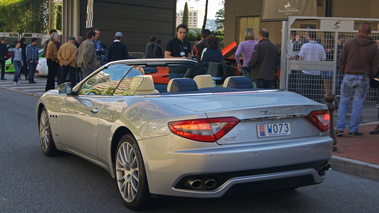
264	61
52	62
47	42
150	47
201	45
17	61
66	57
100	51
358	62
246	48
3	55
117	50
212	54
32	59
178	47
310	80
85	55
376	130
78	41
24	67
157	52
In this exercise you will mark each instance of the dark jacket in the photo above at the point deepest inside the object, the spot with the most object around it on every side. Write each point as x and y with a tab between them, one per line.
3	51
264	61
198	49
212	55
157	52
359	55
149	49
117	51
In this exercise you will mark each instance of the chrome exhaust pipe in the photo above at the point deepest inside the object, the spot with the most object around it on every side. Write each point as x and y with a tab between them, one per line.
195	183
210	183
324	168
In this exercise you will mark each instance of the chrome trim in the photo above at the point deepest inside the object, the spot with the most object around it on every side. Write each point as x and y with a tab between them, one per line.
276	117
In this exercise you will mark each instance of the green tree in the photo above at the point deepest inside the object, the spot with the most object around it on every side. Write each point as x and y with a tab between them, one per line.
185	15
23	16
220	19
58	17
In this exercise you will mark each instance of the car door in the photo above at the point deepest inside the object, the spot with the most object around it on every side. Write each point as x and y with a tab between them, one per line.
79	118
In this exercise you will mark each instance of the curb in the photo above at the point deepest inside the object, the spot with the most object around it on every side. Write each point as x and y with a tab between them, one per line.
20	91
355	167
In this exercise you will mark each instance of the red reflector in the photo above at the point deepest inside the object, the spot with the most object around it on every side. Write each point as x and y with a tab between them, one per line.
321	119
206	130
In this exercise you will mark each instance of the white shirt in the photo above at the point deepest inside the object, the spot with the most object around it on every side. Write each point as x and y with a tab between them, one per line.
312	51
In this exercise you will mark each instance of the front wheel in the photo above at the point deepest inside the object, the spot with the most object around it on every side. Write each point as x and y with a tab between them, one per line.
130	174
47	142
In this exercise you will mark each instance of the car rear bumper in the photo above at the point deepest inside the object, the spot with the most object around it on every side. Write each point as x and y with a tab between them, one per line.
282	164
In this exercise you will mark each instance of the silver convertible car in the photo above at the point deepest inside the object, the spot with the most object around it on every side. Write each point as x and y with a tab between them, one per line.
194	139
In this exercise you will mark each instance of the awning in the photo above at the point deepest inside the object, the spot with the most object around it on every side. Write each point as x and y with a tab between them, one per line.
278	10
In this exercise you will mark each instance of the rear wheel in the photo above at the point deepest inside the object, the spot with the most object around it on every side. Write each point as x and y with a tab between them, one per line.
47	142
130	174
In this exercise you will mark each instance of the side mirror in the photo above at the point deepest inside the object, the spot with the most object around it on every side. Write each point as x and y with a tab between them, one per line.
65	89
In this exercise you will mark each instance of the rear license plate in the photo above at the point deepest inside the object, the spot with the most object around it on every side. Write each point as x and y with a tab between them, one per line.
270	130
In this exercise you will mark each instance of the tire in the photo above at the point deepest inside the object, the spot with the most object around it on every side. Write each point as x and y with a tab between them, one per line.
47	142
130	174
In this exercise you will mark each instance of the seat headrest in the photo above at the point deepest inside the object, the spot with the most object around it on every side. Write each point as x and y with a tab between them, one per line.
203	81
238	82
181	85
144	85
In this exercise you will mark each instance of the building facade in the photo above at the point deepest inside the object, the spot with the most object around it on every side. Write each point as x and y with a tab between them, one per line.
195	17
242	14
137	20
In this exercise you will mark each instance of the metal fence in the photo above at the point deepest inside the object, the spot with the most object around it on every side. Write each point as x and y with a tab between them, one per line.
13	36
314	79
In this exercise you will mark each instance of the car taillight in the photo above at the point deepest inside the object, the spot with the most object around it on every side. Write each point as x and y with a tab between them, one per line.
205	130
321	119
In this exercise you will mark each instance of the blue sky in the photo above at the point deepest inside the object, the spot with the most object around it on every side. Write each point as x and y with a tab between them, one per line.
213	6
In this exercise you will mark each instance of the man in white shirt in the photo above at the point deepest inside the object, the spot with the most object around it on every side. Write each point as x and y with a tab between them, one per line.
311	84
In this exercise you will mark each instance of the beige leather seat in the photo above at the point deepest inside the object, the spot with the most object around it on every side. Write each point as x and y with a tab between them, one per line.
146	86
203	81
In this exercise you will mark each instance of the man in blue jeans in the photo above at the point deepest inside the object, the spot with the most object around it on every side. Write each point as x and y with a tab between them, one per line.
359	61
32	59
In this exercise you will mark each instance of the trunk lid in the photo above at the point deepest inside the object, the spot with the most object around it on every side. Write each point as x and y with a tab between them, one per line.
264	115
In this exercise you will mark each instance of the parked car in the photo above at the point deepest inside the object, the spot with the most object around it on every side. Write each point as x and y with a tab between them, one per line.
42	69
10	48
186	141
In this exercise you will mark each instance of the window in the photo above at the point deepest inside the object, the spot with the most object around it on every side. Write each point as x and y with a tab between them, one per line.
130	84
105	81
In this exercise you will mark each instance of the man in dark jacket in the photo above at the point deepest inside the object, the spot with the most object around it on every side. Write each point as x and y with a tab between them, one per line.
199	47
157	52
264	61
117	50
150	47
359	61
3	55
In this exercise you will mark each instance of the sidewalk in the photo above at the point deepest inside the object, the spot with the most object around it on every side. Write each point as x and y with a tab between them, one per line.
356	156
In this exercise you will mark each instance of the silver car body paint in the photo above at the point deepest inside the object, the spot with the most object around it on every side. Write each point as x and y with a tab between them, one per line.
168	157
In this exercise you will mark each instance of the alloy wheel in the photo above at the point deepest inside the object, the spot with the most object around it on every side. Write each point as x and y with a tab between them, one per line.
127	170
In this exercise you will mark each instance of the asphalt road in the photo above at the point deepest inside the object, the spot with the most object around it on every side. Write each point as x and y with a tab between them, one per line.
32	182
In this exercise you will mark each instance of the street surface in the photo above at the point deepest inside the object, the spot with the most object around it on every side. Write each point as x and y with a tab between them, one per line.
32	182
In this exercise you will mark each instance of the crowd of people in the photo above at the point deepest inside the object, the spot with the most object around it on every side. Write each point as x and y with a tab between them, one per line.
358	61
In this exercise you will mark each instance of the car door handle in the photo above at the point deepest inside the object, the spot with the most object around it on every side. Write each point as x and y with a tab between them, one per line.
94	111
